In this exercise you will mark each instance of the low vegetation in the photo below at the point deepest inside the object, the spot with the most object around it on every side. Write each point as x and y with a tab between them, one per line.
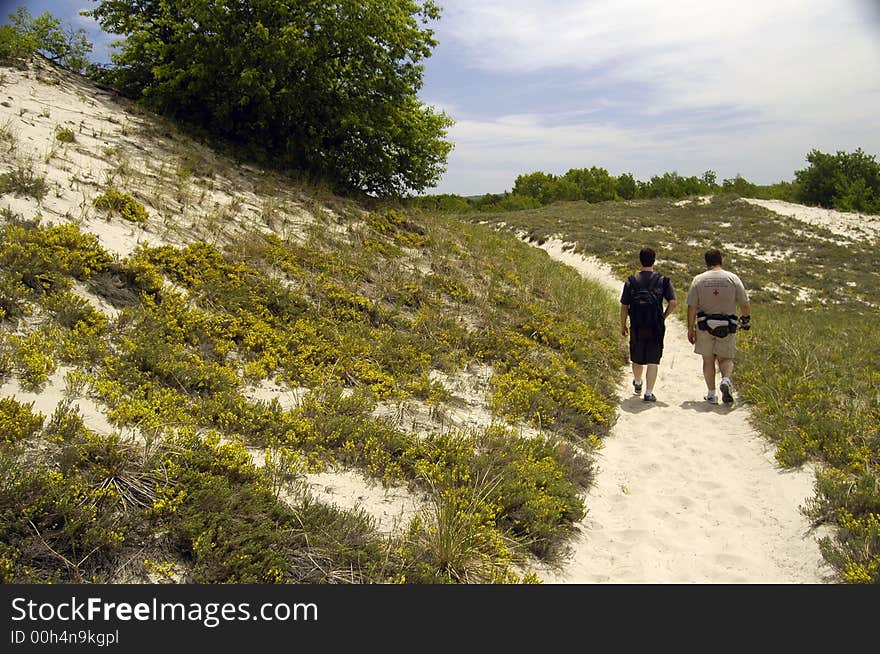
123	204
24	180
809	366
360	315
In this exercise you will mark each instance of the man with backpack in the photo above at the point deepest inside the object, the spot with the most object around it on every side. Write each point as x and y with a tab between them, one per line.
642	302
712	300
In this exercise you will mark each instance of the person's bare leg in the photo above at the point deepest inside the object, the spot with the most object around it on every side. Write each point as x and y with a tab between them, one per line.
638	368
709	371
651	377
726	368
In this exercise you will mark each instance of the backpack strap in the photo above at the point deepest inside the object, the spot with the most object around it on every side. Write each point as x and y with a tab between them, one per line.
656	278
634	282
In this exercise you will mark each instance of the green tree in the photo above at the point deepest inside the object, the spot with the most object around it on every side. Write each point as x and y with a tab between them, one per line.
443	202
818	181
626	186
47	35
592	184
709	179
538	185
325	87
849	181
740	186
672	185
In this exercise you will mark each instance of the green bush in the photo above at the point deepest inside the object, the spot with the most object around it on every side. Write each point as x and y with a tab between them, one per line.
46	34
22	180
17	421
65	135
74	312
43	258
122	203
14	297
849	181
14	45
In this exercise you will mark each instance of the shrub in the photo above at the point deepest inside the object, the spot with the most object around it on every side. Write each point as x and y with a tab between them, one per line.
65	135
22	180
122	203
44	257
34	357
72	311
454	540
56	528
13	297
227	520
17	421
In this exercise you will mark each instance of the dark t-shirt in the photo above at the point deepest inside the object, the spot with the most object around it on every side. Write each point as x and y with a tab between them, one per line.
663	289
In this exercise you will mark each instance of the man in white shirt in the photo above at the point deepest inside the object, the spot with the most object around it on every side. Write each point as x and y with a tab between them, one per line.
712	303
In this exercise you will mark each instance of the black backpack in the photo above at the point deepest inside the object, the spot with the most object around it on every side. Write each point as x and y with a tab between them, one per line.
645	307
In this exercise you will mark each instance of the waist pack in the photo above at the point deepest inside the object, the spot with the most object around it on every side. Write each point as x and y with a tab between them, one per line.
719	325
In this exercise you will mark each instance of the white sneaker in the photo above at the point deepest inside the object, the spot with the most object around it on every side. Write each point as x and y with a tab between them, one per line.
712	399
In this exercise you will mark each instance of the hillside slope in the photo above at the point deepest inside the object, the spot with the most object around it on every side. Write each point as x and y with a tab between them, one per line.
211	373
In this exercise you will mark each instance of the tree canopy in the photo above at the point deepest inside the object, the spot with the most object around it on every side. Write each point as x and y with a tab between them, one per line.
848	181
324	87
26	34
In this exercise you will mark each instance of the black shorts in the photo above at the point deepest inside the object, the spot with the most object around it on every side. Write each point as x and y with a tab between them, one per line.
646	350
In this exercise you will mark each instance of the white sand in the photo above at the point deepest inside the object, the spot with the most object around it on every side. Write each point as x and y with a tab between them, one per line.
265	391
853	226
117	145
588	266
52	394
688	492
391	508
702	199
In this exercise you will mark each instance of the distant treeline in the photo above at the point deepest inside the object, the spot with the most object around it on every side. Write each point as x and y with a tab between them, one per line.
843	181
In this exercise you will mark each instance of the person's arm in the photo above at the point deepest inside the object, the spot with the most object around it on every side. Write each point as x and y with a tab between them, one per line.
671	303
692	323
624	312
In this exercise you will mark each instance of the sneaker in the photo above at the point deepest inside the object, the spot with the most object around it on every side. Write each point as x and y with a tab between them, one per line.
637	388
712	399
650	397
726	395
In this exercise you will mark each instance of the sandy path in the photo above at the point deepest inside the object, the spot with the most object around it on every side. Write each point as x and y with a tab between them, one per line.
687	491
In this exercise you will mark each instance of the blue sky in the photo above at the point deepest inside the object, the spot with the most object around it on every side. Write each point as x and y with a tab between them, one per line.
736	86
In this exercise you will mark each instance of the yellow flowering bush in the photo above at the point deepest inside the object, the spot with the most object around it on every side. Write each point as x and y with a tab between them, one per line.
122	203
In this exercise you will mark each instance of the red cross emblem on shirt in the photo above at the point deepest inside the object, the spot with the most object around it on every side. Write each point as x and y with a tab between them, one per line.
715	292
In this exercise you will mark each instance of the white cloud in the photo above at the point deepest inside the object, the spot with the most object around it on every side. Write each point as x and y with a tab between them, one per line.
804	72
489	154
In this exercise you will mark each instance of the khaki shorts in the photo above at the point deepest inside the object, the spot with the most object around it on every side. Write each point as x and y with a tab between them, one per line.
724	348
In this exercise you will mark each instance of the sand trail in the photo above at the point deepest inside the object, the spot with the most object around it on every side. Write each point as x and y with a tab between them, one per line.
687	491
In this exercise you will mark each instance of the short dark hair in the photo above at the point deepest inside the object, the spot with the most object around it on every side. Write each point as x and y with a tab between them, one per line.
713	257
647	256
